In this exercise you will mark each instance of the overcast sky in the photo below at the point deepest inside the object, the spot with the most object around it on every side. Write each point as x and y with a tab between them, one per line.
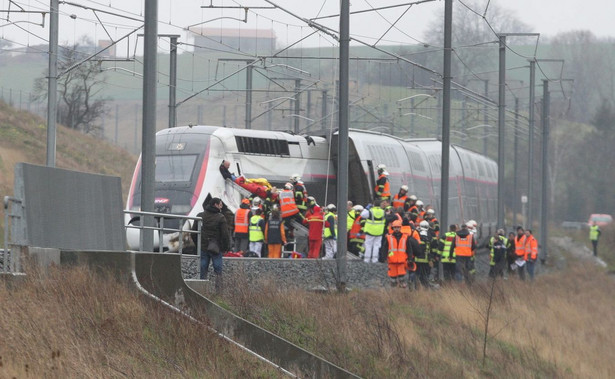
547	17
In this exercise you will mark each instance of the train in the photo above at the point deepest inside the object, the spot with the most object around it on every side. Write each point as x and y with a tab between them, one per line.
188	160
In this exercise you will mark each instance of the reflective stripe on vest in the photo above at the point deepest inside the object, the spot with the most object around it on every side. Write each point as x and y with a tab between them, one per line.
463	246
397	249
256	233
399	201
287	204
242	220
374	225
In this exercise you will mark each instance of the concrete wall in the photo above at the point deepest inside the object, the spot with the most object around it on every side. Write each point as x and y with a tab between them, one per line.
70	210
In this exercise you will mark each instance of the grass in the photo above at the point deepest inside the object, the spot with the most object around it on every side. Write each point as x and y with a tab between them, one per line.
73	323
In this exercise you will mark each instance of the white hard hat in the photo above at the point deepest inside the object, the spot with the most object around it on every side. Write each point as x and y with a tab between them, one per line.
419	203
288	186
256	200
358	208
424	224
381	166
331	207
472	224
431	211
404	187
311	198
295	177
413	198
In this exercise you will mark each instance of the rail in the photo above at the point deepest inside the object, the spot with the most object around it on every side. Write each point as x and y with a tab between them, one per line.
10	259
161	229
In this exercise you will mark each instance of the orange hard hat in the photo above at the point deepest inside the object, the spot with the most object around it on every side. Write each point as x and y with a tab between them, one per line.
245	201
396	224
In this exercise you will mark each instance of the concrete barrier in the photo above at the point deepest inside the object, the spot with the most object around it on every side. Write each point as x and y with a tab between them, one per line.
160	276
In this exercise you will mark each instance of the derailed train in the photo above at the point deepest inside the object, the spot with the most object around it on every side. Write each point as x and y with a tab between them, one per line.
188	160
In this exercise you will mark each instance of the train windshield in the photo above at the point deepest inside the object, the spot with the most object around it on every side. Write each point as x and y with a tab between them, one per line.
179	157
174	168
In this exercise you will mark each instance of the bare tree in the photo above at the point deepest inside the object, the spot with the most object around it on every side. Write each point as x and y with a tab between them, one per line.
587	61
79	86
475	25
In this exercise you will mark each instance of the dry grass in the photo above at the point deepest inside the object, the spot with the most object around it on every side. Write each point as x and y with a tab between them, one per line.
559	326
72	323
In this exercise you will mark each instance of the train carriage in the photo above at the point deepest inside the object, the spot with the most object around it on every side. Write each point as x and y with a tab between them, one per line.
188	160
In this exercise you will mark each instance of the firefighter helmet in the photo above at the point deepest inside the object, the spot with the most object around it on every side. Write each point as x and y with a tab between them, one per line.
288	186
404	187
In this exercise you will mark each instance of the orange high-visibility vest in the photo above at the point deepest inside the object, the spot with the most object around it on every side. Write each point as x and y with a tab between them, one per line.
399	201
531	247
397	249
242	220
386	191
287	204
520	246
463	246
355	230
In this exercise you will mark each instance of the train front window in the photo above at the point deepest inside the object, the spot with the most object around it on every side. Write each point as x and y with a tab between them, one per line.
174	168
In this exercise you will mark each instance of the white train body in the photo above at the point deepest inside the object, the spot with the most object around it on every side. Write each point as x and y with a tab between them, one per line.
188	160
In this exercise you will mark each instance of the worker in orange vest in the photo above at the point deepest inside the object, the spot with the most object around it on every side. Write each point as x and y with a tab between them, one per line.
531	252
400	198
520	260
382	191
463	248
400	255
242	223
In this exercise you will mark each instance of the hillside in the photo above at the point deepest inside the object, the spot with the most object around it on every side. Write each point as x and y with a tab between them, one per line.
23	138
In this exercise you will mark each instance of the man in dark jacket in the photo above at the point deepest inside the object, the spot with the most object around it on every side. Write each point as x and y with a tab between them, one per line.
214	231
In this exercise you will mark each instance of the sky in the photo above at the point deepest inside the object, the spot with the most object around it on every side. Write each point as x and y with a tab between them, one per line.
399	25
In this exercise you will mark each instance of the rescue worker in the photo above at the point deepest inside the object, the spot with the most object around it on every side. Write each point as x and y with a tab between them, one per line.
400	255
288	207
463	248
275	237
425	255
257	231
531	252
520	253
390	215
373	227
594	235
411	207
242	223
330	234
356	237
382	191
420	215
511	255
258	203
315	222
300	192
430	217
446	253
497	252
400	198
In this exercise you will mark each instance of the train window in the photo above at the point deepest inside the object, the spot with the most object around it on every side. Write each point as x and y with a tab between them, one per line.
416	161
265	146
481	169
